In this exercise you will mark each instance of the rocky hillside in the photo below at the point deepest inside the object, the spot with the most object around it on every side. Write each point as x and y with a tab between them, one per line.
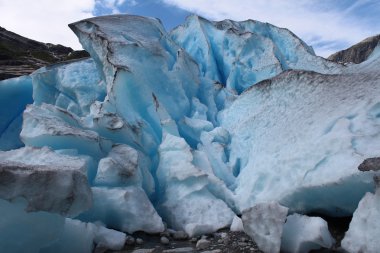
21	56
358	52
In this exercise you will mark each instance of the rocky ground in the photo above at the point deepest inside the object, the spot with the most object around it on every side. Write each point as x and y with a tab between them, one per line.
358	52
223	241
21	56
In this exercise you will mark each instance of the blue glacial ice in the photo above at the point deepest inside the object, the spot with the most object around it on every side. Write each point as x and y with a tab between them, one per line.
46	232
15	93
189	128
241	54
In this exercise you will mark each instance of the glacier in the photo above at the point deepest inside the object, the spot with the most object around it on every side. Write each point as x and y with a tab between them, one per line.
15	93
187	129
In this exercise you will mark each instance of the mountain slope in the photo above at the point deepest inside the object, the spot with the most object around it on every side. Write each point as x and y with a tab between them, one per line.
21	56
358	52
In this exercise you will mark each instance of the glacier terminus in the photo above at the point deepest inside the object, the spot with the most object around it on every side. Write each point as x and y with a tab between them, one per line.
208	125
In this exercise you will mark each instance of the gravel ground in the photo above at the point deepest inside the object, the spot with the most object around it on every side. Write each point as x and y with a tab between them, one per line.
223	241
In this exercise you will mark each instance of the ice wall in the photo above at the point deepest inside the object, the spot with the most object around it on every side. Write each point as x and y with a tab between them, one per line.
300	137
15	94
241	54
190	128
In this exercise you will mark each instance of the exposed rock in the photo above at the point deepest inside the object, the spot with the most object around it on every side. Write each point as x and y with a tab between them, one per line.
180	235
203	244
358	52
179	250
21	56
164	240
130	240
224	241
370	164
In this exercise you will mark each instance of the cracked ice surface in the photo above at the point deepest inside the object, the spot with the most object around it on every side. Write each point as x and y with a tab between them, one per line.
240	54
306	134
191	128
15	93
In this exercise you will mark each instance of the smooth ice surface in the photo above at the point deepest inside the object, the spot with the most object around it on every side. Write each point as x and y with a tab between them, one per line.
47	180
43	232
126	209
363	234
22	231
80	237
237	225
303	234
306	134
15	94
264	224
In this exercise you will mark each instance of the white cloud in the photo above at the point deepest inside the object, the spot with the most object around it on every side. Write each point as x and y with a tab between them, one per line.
110	4
133	3
318	22
324	28
45	20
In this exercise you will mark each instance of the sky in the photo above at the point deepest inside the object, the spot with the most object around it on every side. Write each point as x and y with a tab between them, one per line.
327	25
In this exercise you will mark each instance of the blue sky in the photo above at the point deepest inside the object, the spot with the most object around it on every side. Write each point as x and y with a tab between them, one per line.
327	25
170	15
